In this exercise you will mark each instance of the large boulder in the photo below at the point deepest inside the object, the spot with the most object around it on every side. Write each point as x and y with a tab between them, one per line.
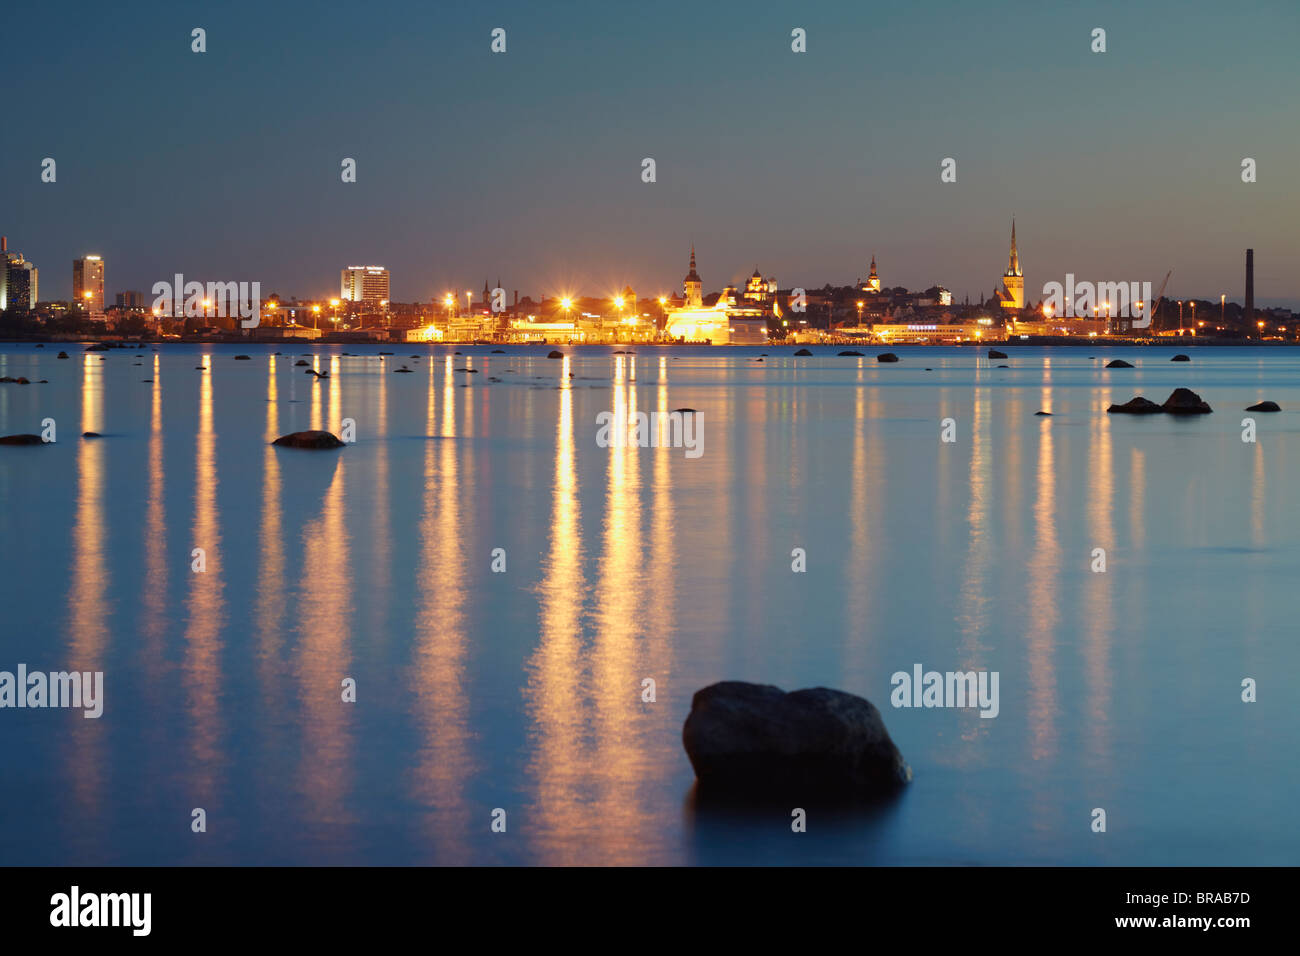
1265	407
1183	401
1118	363
757	742
886	357
311	439
1136	406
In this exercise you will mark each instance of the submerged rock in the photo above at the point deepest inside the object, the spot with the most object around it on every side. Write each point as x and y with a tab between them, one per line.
91	435
1265	407
1118	363
757	742
310	439
995	354
242	358
886	357
848	353
21	440
1183	401
498	351
1049	414
1136	406
402	369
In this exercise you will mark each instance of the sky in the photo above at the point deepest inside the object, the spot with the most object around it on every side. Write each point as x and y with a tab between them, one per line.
526	166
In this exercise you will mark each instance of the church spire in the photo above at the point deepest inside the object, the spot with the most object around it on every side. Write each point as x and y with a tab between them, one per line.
1013	266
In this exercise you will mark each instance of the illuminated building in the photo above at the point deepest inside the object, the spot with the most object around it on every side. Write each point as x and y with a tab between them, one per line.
365	285
88	284
725	323
873	281
1012	293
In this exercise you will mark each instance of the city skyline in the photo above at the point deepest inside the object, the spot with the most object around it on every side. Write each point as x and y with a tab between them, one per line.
1120	163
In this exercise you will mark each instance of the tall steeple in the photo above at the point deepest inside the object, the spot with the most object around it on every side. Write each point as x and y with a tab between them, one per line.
1013	267
693	286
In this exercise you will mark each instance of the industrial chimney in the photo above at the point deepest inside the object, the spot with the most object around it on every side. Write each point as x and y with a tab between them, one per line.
1250	287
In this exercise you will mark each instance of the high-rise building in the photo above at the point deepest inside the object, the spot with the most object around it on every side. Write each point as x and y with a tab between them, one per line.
130	300
365	285
88	284
1012	293
18	280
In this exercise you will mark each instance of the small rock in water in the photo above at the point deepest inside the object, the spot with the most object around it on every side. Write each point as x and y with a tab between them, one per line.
1180	357
301	362
886	357
803	352
402	369
850	354
1048	414
1183	401
555	354
995	354
22	440
1136	406
309	439
91	435
756	742
242	358
1265	407
62	355
1118	363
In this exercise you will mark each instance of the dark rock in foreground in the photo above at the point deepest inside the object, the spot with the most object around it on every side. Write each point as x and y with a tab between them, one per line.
995	354
1180	357
1118	363
1265	407
849	353
803	352
551	354
757	742
886	357
1183	401
309	440
1136	406
21	440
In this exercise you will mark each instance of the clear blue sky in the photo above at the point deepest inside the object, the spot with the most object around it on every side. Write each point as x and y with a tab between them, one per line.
225	165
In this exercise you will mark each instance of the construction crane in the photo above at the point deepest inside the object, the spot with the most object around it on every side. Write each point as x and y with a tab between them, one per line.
1160	296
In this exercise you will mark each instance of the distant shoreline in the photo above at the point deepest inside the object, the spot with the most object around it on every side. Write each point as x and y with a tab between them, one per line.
1178	343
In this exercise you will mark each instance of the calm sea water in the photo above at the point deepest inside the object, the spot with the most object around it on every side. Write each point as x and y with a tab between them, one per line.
522	690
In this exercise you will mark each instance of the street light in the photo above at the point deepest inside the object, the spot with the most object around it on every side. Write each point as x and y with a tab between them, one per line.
315	321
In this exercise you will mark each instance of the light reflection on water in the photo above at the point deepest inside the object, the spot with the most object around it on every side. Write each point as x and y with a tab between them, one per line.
524	690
